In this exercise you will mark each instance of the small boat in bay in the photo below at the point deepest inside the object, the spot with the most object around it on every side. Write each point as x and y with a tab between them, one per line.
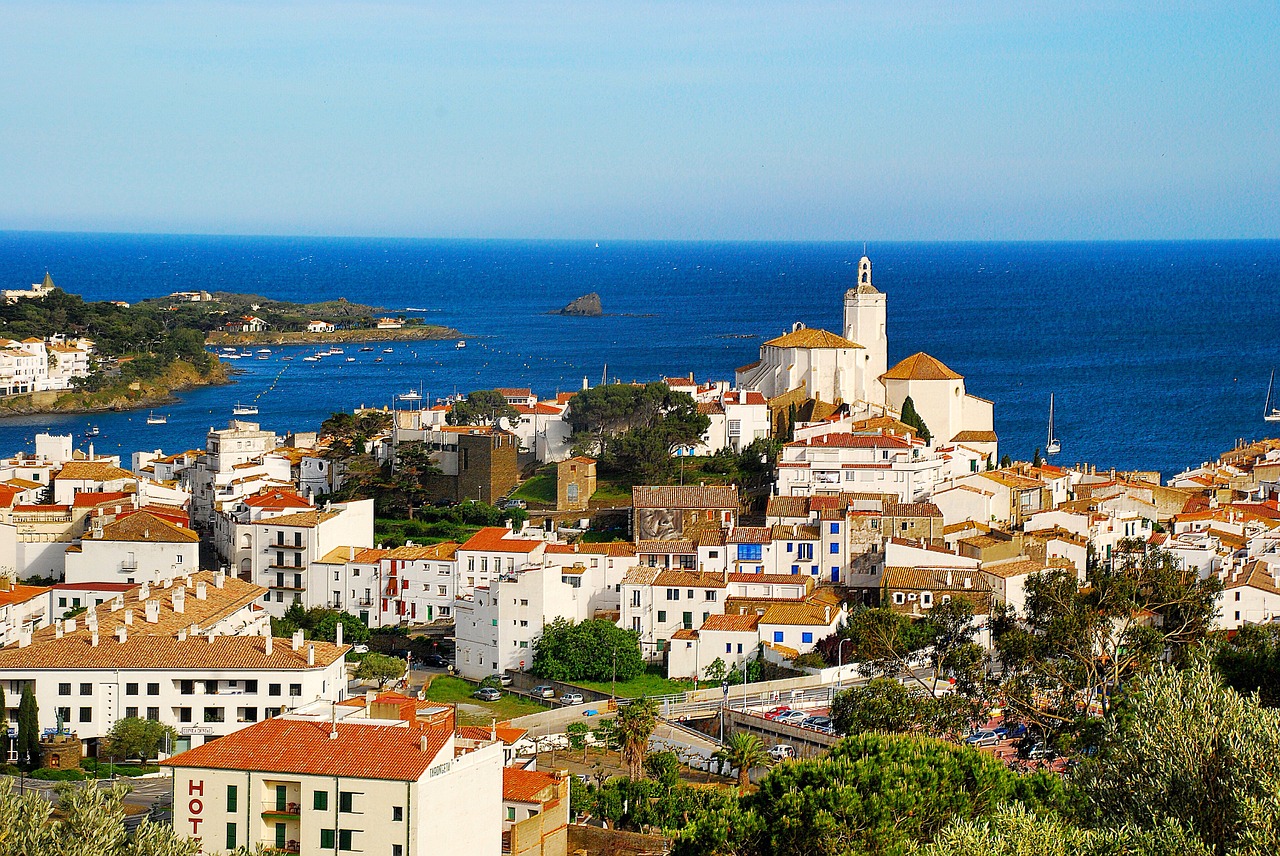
244	410
157	419
1052	447
1269	413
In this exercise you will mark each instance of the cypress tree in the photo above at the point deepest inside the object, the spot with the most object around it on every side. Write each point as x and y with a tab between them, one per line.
4	729
1037	460
912	418
28	730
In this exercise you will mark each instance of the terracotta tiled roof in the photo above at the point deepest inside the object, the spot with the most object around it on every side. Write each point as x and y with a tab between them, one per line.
609	548
921	366
935	579
529	786
710	408
92	471
1013	568
93	500
802	580
641	576
731	623
146	527
21	594
750	535
302	519
667	548
165	652
975	437
297	747
748	367
853	441
508	734
803	614
277	499
912	509
496	539
788	506
1257	575
445	551
342	555
811	337
690	579
686	496
684	633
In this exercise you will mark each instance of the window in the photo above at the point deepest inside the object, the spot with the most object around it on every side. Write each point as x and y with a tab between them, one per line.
64	689
804	552
750	552
344	839
211	687
62	602
214	714
1237	596
806	637
835	528
153	689
295	689
739	647
178	559
130	689
673	594
251	686
926	599
231	833
899	598
345	800
397	850
232	794
246	714
86	689
662	616
273	689
397	812
320	800
511	813
904	526
777	636
184	714
86	714
326	839
187	687
153	714
835	546
687	621
571	492
130	713
65	713
711	595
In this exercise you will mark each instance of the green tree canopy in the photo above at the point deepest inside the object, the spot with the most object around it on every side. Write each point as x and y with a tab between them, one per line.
915	420
380	668
28	730
884	704
743	752
1014	831
1185	749
1250	662
482	407
591	650
634	725
633	428
143	739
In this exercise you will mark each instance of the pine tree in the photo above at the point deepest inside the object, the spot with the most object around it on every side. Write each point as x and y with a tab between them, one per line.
912	418
28	730
1037	460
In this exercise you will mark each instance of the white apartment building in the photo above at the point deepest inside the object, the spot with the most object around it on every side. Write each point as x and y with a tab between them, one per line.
139	547
43	365
175	654
233	518
286	553
737	418
23	609
845	463
344	779
100	476
239	443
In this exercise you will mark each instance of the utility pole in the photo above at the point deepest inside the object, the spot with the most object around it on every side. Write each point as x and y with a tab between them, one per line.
613	681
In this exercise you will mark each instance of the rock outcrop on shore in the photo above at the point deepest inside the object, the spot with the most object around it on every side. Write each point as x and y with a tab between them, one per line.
587	306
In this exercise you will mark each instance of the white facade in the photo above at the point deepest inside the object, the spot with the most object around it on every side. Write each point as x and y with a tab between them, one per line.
865	463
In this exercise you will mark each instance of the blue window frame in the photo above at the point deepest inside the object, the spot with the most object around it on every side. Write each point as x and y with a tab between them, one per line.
835	528
795	569
835	546
777	636
750	552
806	637
790	546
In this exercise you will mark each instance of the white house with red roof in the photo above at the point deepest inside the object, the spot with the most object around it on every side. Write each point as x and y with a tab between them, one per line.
97	476
23	609
378	778
319	327
140	547
247	324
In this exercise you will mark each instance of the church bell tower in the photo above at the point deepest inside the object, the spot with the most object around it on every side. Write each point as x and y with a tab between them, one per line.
864	323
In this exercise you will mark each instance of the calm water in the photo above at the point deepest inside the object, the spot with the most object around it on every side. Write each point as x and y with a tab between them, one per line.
1158	353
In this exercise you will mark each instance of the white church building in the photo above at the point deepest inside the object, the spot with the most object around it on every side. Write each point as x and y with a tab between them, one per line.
853	369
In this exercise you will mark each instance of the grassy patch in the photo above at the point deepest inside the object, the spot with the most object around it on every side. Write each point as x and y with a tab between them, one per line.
445	689
393	533
540	489
651	683
607	537
611	492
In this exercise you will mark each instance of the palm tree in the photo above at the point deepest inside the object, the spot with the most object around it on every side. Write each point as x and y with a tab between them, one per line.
744	751
634	725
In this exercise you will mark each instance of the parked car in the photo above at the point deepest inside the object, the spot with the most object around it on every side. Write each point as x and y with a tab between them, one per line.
1036	752
818	723
360	649
514	503
1011	732
985	737
502	678
446	502
774	713
542	691
487	694
781	752
792	717
571	698
435	661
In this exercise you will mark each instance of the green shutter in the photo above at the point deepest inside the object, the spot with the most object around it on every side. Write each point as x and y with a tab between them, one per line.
281	793
344	839
326	839
231	806
280	837
231	836
320	800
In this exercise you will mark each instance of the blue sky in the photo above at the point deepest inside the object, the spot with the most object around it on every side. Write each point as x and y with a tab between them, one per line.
601	120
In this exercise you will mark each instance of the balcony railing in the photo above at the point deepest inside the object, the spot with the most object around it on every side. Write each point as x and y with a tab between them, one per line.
276	809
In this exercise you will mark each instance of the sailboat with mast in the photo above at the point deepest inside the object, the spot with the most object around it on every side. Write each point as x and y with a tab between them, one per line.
1270	413
1052	446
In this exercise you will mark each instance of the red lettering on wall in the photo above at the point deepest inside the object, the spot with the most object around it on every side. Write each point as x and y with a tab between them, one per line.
195	788
195	806
195	825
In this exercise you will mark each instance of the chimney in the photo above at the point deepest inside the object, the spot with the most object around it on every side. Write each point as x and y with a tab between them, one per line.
369	696
297	640
202	591
117	602
422	742
351	555
182	635
122	634
70	625
194	629
24	638
144	591
93	639
948	579
337	634
268	646
57	631
219	579
153	611
493	728
213	631
180	599
128	617
826	615
167	582
311	654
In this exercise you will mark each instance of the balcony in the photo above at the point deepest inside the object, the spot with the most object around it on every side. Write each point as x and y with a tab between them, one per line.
282	811
287	586
287	847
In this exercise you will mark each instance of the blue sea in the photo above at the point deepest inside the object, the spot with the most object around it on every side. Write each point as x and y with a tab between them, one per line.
1158	353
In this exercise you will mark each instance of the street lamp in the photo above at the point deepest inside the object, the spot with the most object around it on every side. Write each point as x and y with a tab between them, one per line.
840	663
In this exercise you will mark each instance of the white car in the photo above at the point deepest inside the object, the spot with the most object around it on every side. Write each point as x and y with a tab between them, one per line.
792	717
360	649
781	752
571	698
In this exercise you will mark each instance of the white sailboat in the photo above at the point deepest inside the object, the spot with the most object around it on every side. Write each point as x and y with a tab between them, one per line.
1269	413
157	419
1052	447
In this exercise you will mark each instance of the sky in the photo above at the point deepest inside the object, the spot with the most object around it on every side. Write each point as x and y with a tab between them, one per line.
644	120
